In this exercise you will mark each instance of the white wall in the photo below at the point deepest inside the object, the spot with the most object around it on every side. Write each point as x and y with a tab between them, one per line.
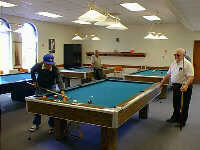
133	38
61	33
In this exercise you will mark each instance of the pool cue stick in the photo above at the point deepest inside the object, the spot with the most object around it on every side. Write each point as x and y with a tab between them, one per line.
50	91
181	108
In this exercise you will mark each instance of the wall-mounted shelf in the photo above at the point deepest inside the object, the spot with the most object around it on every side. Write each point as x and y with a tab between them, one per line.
122	54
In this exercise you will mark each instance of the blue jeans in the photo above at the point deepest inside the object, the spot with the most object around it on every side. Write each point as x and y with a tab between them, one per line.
37	117
37	120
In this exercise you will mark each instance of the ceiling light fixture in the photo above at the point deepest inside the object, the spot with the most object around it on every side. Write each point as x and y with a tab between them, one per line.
107	22
117	26
92	16
102	18
81	22
155	36
77	38
81	36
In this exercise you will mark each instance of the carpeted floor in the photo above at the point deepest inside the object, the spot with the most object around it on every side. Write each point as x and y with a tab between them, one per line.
151	134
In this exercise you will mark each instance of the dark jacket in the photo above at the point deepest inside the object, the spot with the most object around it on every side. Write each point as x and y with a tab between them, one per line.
46	78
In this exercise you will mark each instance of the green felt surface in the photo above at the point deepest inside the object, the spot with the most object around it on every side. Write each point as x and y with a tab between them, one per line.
155	72
106	93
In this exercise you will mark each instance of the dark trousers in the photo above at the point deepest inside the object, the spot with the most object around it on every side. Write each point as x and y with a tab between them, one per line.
37	120
37	117
177	102
98	74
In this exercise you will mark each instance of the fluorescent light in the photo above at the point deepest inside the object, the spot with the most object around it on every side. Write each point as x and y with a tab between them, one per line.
151	18
47	14
81	22
92	16
5	4
117	26
133	6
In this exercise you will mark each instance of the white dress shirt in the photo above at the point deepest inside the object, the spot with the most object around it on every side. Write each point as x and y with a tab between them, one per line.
178	74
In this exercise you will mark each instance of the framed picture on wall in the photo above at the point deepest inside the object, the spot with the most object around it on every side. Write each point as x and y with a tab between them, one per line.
52	45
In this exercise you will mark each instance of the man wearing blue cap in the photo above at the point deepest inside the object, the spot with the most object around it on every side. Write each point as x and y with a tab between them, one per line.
48	76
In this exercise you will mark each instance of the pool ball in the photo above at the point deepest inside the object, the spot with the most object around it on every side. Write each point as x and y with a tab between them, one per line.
44	97
55	96
161	72
89	101
64	98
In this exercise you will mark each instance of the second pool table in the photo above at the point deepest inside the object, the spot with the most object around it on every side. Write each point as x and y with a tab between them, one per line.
150	75
82	72
16	84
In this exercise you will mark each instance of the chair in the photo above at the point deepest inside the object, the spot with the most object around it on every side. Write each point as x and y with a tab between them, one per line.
23	70
13	71
1	71
118	71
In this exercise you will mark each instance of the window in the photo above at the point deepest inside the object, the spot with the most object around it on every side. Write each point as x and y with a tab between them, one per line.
5	47
29	45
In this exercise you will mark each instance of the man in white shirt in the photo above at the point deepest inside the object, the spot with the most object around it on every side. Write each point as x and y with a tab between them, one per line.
181	74
96	65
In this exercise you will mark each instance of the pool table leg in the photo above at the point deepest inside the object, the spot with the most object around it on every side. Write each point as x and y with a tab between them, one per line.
108	138
59	128
143	113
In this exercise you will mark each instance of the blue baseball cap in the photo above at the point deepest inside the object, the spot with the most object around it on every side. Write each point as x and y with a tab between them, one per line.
49	59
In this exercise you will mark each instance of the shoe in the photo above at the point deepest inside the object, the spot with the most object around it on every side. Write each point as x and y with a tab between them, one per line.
51	131
171	120
33	128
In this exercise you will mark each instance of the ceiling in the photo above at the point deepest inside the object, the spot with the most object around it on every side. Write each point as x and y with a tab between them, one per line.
170	11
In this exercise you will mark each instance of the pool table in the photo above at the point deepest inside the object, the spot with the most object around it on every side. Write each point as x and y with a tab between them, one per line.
151	75
106	103
16	84
82	72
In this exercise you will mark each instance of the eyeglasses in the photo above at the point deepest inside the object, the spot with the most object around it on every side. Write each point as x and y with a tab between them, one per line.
177	55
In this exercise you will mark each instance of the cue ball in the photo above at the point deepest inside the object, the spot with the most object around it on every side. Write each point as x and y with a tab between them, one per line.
75	101
44	97
55	96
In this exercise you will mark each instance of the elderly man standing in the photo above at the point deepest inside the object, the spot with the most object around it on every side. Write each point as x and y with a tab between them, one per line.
181	73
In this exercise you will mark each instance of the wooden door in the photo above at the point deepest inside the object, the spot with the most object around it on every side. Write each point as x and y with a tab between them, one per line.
196	61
